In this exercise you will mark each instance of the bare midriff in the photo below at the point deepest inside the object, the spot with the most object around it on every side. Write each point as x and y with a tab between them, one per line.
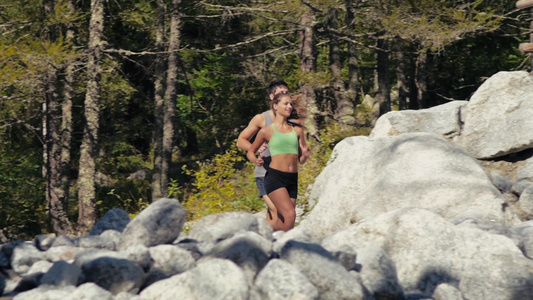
285	163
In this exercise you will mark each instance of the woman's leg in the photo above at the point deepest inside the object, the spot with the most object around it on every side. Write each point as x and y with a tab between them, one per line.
293	201
285	208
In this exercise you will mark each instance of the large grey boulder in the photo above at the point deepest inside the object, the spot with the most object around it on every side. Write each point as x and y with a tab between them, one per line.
298	233
62	240
445	291
442	119
128	296
214	279
62	274
41	266
95	241
520	186
46	292
24	256
497	119
428	250
378	273
43	242
197	248
216	227
159	223
88	255
525	204
66	253
524	232
2	285
114	274
323	270
344	254
168	260
249	250
365	178
90	291
280	280
525	171
111	235
140	255
115	219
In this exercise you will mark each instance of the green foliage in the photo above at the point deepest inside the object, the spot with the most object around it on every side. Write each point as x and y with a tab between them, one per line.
124	179
23	211
436	24
122	159
130	203
175	190
217	187
220	101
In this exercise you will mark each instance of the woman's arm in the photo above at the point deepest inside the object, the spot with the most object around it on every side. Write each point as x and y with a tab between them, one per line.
303	152
259	140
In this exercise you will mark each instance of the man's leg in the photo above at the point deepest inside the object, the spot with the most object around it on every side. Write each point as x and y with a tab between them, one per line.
272	213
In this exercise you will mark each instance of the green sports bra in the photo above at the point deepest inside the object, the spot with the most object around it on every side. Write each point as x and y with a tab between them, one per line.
283	143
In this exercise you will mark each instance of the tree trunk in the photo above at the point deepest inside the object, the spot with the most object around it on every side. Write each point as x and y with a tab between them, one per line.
344	113
421	79
89	144
403	75
403	82
382	96
159	102
413	89
170	95
66	109
56	193
353	75
308	64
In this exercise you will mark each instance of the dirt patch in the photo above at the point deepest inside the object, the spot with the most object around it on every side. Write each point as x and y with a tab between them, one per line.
506	169
508	165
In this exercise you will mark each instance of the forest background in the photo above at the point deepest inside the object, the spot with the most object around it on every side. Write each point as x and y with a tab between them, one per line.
118	103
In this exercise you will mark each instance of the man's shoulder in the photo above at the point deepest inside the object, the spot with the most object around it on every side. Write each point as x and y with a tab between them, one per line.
258	120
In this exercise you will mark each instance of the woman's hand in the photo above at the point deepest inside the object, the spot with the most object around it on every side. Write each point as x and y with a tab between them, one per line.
256	146
305	154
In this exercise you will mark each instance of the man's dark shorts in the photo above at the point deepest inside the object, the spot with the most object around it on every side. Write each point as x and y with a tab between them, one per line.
260	181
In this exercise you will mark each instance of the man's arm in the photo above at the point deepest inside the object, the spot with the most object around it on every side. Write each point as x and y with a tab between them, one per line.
243	141
259	140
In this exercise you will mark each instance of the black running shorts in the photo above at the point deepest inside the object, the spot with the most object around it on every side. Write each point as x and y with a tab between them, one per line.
275	179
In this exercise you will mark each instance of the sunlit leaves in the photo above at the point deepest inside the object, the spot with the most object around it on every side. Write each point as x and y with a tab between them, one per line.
435	24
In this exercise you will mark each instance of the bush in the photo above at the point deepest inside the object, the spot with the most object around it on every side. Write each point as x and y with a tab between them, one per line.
23	210
219	186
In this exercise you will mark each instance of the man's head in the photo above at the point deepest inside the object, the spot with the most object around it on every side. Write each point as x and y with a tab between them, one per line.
277	87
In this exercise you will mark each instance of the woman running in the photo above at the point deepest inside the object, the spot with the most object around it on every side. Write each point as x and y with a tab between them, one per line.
286	141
